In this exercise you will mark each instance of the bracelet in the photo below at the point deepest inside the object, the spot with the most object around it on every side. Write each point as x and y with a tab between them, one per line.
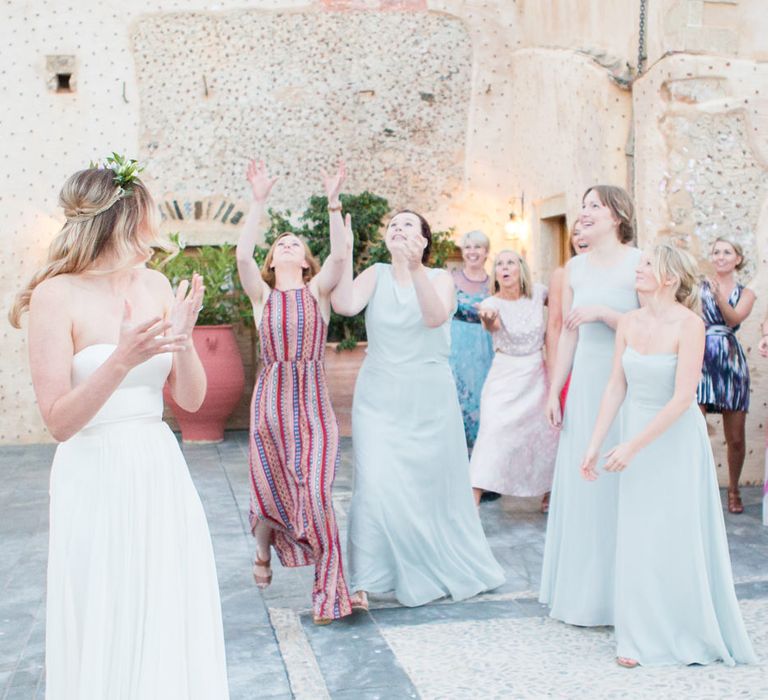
334	207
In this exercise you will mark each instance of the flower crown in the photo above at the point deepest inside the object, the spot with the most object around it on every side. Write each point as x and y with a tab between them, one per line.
124	173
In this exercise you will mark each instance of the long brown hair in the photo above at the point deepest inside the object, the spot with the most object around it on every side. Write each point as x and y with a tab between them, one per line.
307	273
102	218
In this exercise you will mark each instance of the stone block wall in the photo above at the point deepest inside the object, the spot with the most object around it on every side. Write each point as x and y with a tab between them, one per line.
457	107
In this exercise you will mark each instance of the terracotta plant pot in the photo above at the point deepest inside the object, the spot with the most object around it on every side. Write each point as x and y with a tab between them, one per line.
341	370
218	351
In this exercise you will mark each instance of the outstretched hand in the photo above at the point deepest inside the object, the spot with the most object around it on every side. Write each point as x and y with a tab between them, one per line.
332	183
488	315
186	307
261	183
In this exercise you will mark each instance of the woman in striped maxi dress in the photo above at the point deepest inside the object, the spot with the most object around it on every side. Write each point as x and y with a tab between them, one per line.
294	436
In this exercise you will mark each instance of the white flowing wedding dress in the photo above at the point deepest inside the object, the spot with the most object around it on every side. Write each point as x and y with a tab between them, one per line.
133	603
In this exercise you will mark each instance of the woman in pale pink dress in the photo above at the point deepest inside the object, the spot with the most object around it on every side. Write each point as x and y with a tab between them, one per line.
515	449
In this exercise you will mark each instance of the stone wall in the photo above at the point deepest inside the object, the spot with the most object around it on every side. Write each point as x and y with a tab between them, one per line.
457	107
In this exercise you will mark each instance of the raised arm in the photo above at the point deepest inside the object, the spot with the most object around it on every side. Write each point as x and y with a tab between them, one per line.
690	355
613	397
66	409
733	315
333	267
187	380
436	296
566	348
352	294
250	275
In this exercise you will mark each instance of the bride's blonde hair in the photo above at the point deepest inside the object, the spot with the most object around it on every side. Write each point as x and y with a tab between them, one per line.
671	261
102	218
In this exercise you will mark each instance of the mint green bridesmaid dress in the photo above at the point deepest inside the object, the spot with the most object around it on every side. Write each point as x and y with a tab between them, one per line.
675	602
413	525
578	570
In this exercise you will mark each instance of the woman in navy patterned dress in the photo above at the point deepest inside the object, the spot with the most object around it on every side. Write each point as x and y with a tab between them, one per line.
724	385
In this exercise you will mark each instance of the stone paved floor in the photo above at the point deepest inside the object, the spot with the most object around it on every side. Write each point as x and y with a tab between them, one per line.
499	645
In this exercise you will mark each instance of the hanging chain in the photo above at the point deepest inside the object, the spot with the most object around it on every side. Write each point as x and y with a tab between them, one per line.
642	55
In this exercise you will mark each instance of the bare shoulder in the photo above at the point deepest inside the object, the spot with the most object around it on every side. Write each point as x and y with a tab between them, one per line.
55	290
632	319
556	278
154	279
691	322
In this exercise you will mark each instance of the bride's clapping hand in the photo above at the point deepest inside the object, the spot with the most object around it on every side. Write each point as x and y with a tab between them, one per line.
140	342
186	308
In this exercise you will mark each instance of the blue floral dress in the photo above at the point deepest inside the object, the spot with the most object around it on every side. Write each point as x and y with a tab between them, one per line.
724	384
471	351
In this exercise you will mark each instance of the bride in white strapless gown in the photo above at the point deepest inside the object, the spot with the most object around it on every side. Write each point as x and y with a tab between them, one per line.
134	612
133	608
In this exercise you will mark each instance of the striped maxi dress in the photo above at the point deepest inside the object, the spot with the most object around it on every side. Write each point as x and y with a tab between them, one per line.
294	446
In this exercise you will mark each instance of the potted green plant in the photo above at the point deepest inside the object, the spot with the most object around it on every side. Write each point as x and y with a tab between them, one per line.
346	335
224	304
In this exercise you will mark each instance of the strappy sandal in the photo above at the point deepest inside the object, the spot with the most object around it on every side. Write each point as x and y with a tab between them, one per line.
734	502
359	601
262	581
626	663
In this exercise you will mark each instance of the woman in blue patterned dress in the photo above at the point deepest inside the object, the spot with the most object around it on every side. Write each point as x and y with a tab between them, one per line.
471	349
724	385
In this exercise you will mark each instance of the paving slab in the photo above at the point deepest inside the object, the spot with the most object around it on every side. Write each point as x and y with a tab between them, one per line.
499	644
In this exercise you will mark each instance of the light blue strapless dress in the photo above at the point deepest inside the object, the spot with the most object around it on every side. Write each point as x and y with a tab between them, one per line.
675	602
578	570
413	525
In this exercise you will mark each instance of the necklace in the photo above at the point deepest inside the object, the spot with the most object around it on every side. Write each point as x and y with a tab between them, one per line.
469	279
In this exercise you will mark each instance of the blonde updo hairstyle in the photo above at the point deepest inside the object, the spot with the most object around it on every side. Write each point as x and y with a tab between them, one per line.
268	269
620	203
736	247
526	281
102	218
671	261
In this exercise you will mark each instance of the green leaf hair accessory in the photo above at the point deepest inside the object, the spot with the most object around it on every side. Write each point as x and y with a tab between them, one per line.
124	174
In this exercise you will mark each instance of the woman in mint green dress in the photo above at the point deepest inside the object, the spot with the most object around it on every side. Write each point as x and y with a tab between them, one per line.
413	525
674	602
598	287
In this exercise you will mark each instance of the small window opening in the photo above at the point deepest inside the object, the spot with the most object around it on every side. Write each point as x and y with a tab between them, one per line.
63	82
